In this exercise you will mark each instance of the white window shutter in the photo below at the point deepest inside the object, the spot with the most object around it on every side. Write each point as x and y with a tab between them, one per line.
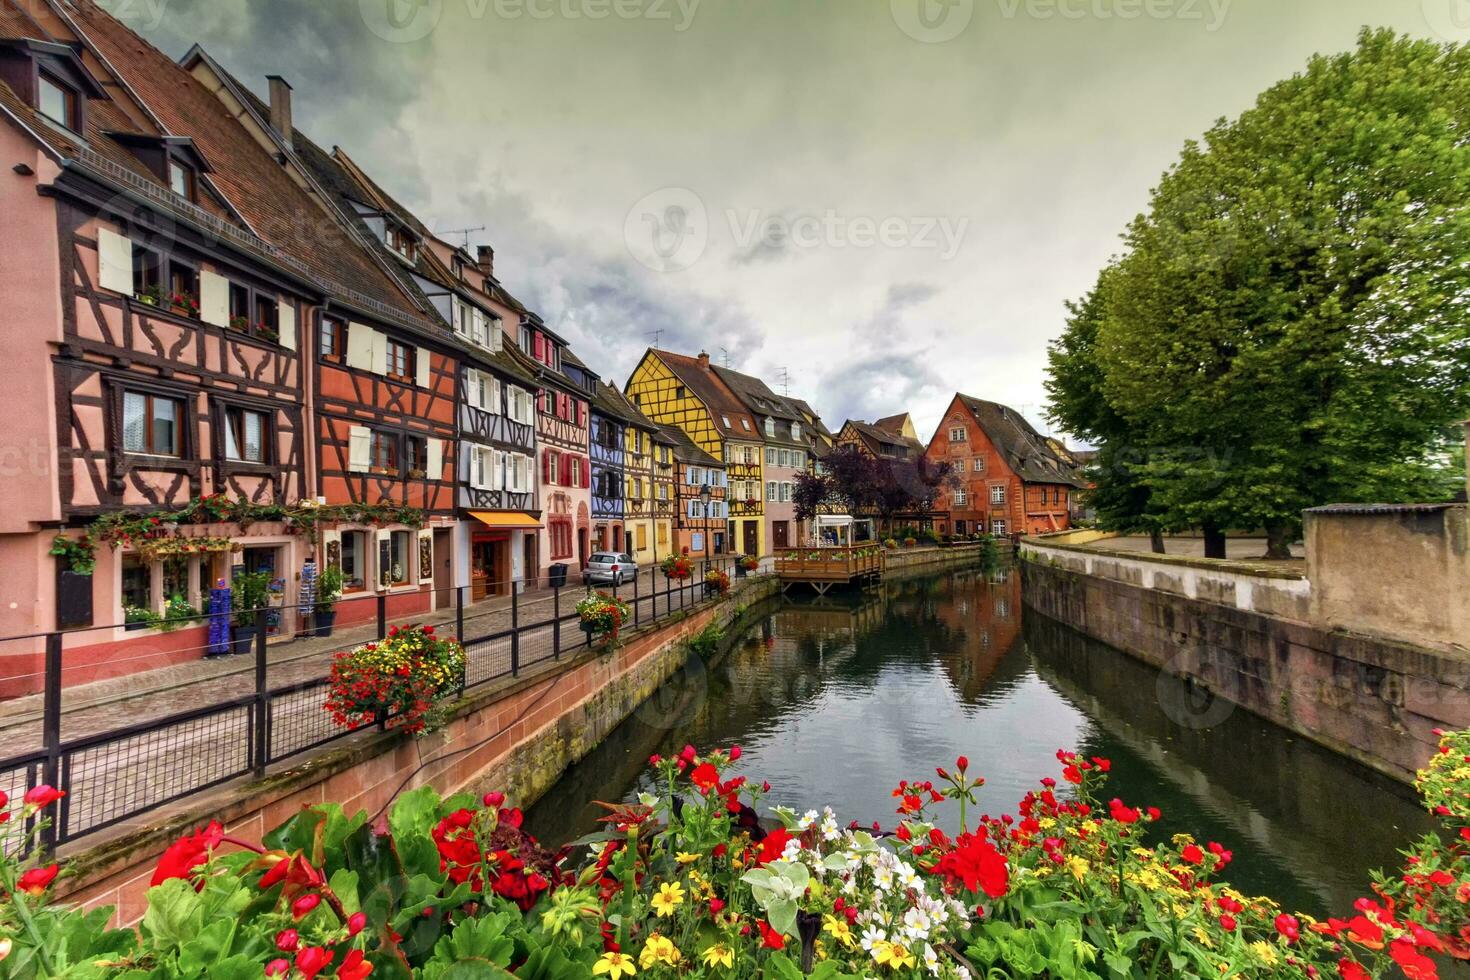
114	261
497	333
286	324
360	346
359	448
380	353
458	315
214	298
472	388
435	453
495	402
421	367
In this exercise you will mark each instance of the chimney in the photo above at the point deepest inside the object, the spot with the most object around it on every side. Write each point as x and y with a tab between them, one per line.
704	359
485	259
280	106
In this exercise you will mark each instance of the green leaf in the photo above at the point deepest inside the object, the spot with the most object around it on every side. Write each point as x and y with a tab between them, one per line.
175	913
782	913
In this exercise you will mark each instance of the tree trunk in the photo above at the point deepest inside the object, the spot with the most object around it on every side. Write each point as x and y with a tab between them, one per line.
1214	543
1278	541
1156	541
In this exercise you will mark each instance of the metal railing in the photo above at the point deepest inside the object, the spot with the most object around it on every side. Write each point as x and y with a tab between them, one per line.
119	773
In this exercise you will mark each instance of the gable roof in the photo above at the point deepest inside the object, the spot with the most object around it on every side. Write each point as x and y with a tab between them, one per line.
700	378
885	442
685	451
1025	450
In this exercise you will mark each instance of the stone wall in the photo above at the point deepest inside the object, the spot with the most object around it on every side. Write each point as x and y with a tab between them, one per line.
517	738
1244	637
901	561
1396	571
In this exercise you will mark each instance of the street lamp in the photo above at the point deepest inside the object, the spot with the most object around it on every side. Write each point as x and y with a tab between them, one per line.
704	496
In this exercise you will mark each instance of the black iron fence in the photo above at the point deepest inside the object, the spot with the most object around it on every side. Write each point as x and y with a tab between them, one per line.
200	731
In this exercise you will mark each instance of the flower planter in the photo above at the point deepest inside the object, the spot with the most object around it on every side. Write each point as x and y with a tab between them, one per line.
242	639
323	622
740	571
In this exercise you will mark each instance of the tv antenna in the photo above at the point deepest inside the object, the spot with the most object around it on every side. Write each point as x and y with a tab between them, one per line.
784	379
657	336
725	357
465	232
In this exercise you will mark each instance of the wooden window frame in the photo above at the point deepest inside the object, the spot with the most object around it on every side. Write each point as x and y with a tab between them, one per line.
392	441
181	429
416	453
336	330
228	414
172	165
72	99
400	354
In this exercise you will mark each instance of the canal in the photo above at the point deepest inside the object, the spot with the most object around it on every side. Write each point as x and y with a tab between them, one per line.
835	700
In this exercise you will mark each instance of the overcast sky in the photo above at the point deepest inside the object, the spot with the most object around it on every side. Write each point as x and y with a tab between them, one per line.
891	201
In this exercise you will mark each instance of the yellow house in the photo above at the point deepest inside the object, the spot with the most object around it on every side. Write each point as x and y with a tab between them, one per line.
685	392
640	522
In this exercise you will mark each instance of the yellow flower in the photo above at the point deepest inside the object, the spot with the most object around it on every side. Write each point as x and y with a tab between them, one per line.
1203	936
659	949
719	955
839	929
615	965
896	956
1078	867
1264	952
670	896
684	857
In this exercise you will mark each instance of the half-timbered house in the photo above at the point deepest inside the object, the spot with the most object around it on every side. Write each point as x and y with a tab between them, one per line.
685	392
607	453
782	431
562	420
700	507
640	530
153	337
663	495
384	376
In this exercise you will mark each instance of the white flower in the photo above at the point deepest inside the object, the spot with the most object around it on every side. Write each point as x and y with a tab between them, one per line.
807	819
792	850
931	960
872	935
882	879
916	923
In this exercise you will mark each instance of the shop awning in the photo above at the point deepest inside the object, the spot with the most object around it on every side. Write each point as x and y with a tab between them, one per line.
505	518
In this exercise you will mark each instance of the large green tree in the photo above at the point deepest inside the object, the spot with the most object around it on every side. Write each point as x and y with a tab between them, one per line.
1289	323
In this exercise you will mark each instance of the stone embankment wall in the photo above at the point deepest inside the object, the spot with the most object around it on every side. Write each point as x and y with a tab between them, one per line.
1246	632
517	738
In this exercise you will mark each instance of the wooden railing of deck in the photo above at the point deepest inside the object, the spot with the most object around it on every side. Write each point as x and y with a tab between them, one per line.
828	564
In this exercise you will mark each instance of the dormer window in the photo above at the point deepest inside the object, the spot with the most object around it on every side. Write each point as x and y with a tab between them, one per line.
771	427
57	101
726	420
398	240
796	430
181	179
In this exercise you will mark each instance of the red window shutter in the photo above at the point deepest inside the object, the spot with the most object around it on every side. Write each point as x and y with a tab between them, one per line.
546	468
586	468
582	412
541	402
568	478
540	347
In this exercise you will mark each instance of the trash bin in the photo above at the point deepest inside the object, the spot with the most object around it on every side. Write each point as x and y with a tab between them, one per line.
558	575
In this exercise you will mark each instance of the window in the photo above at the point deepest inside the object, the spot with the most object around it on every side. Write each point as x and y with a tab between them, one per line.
745	424
978	464
416	451
998	528
147	273
57	102
245	435
151	424
181	179
385	451
770	457
663	491
267	318
772	492
559	533
137	584
353	561
997	494
726	420
183	285
334	339
400	361
680	392
957	433
771	427
960	498
553	464
398	240
796	430
393	564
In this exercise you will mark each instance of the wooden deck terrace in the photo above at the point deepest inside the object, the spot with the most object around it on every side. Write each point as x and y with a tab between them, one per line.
824	568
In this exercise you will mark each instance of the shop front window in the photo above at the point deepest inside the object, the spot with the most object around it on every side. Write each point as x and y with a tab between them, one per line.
137	584
393	559
353	562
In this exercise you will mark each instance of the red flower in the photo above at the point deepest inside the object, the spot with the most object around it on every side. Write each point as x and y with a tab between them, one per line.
304	905
1227	922
493	800
770	938
772	846
42	796
277	968
1192	854
734	753
35	881
313	960
187	853
1289	927
1121	813
705	776
288	940
1351	970
356	922
354	966
962	763
977	864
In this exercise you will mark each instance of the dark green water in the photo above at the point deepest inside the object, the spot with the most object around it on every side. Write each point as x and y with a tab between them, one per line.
834	701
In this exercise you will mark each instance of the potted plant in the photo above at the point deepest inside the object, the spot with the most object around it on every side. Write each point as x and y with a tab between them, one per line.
139	618
716	582
153	295
240	323
746	565
677	567
248	593
178	613
402	677
328	592
601	614
184	304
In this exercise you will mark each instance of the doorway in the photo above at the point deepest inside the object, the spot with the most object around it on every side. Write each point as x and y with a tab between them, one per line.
443	567
780	534
528	559
752	537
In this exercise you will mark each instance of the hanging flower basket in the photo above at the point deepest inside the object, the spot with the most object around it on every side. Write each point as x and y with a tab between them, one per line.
677	568
403	678
602	615
716	582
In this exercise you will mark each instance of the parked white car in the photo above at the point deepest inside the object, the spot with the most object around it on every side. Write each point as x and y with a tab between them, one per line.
610	568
